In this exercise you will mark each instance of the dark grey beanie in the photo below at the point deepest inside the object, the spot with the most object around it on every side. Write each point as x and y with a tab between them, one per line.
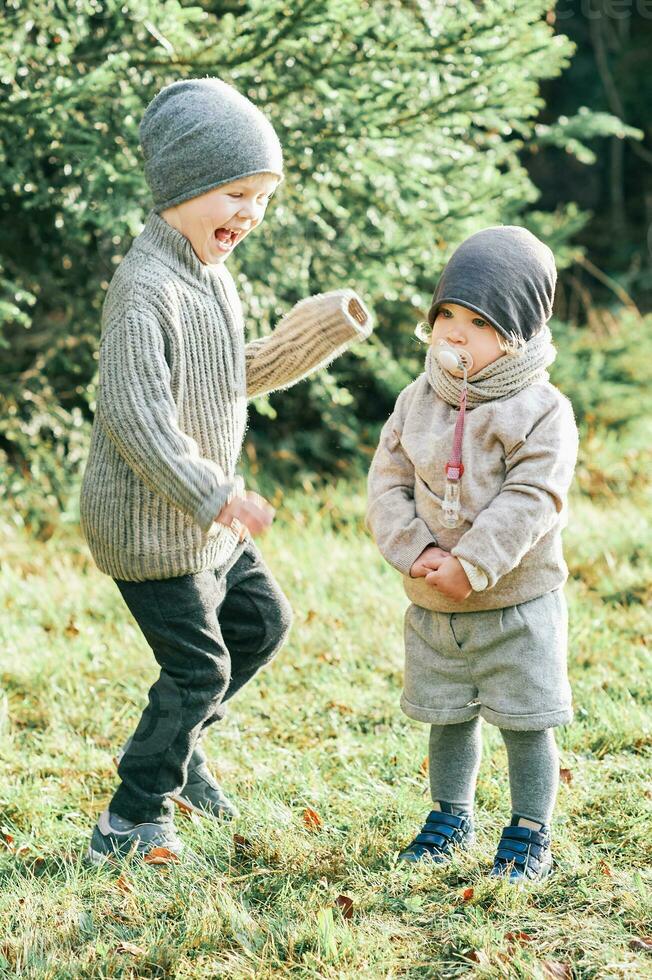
505	274
199	133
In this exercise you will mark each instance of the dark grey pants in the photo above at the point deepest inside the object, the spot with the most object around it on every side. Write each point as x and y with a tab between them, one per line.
210	632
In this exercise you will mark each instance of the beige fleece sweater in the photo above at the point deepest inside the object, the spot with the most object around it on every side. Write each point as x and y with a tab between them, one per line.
519	455
174	378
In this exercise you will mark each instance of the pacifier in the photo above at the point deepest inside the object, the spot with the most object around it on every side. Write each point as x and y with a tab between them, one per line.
453	360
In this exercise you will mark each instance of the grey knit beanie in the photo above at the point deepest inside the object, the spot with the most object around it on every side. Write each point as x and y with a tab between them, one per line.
199	133
506	275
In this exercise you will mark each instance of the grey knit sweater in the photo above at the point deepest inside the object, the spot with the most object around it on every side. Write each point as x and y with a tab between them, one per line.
174	378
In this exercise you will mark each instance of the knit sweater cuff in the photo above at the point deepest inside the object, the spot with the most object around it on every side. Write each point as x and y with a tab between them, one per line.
313	333
213	504
477	578
238	489
340	313
420	537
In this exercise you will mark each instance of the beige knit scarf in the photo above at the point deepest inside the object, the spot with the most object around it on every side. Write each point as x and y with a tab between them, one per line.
501	378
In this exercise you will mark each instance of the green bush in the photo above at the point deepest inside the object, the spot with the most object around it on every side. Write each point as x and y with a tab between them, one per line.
404	127
606	374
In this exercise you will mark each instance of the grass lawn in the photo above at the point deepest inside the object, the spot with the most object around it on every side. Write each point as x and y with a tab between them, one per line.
329	775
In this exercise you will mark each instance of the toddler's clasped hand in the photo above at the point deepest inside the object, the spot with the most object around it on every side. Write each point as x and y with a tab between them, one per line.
428	561
251	511
450	579
443	572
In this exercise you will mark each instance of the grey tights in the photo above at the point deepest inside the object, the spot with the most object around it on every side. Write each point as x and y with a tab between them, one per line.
533	761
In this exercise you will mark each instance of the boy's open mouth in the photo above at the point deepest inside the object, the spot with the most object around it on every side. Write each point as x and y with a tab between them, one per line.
226	238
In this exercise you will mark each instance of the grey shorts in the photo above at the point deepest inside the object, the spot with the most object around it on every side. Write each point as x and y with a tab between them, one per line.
507	665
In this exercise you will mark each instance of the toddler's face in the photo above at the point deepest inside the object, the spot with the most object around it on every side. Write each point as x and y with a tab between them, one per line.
464	330
215	222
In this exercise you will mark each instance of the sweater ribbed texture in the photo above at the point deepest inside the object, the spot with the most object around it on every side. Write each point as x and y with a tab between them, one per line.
174	377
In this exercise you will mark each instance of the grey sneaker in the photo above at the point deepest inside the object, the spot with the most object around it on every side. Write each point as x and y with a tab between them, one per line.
114	837
202	793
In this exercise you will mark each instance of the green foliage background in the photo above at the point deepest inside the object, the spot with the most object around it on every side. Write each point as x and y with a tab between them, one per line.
609	72
406	126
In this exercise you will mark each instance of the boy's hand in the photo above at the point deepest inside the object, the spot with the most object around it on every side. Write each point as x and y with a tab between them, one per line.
252	511
429	560
450	579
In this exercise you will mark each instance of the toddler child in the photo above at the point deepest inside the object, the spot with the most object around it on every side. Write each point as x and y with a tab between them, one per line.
162	509
467	499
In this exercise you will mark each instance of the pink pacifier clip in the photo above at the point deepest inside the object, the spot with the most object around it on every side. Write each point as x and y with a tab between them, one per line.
450	515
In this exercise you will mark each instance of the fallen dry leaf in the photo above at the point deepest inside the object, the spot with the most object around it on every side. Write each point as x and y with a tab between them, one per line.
344	709
423	768
126	947
555	970
467	894
311	615
124	885
605	869
7	839
160	855
188	811
566	776
242	844
345	905
329	657
311	819
71	629
642	943
479	956
518	937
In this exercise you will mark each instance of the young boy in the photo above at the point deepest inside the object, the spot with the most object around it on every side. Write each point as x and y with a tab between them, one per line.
467	499
162	510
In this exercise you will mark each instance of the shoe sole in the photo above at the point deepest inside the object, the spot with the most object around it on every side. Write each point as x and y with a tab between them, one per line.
95	859
424	859
523	881
467	845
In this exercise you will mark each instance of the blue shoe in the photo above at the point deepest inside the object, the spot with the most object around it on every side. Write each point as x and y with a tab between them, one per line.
441	833
114	837
202	793
523	853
